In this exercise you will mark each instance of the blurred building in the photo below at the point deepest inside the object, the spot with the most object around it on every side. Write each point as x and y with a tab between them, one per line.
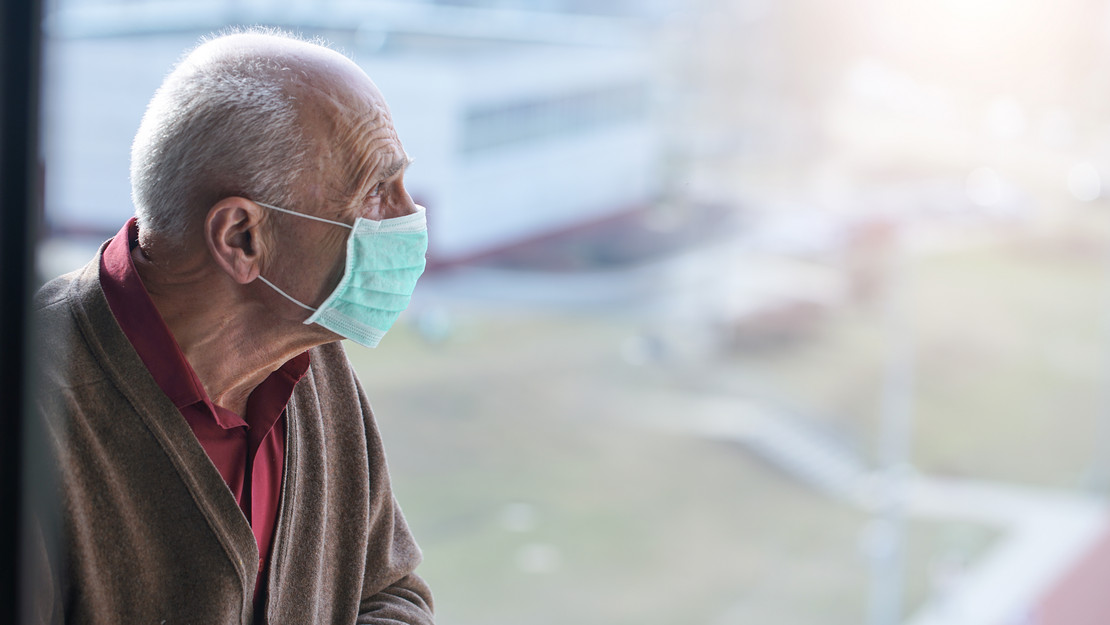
514	140
521	123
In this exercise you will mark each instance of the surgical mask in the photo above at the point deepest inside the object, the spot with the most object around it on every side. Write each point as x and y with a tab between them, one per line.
384	260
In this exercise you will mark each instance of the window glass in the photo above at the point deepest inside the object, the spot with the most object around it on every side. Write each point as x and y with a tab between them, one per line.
737	311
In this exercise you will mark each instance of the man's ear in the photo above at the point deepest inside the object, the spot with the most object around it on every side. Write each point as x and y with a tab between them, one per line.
231	231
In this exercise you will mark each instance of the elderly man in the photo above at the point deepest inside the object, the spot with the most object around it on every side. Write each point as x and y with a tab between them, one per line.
218	461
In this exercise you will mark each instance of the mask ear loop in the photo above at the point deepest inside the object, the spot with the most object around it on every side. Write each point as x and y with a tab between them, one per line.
306	216
286	295
286	210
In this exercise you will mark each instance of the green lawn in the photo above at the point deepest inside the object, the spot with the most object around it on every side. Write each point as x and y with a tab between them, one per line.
622	524
1012	356
1015	347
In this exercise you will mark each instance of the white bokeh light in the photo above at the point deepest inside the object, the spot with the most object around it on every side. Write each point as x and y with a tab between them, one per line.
1006	118
1084	182
984	187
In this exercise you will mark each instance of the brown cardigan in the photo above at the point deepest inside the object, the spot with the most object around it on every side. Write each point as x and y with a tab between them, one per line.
150	533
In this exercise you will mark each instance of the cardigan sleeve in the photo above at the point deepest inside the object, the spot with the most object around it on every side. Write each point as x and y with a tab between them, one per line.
393	594
408	601
393	553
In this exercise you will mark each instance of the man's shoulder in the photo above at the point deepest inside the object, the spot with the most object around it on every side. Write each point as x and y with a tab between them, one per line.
67	288
64	308
55	304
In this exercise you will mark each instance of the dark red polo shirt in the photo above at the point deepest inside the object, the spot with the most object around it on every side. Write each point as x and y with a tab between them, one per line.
248	450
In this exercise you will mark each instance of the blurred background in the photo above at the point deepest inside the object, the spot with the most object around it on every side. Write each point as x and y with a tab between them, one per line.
737	311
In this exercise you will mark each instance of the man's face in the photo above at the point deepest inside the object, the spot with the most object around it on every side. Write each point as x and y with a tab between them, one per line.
361	165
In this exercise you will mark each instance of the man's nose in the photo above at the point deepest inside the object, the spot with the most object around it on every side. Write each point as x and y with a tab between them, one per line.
401	204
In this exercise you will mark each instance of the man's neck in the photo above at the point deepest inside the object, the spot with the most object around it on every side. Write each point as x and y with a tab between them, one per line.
231	343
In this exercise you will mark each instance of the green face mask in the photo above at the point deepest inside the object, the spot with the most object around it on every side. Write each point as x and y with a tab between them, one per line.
384	260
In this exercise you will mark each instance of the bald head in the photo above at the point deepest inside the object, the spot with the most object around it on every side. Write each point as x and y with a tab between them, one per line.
260	115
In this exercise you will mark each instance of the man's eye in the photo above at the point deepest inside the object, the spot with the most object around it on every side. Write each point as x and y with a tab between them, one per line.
376	190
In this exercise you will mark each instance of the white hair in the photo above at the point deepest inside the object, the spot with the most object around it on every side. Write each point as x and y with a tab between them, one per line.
223	123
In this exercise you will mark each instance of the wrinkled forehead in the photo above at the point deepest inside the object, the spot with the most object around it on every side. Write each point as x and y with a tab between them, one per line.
352	130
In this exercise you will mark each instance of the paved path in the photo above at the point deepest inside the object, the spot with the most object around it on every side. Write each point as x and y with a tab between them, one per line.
1046	535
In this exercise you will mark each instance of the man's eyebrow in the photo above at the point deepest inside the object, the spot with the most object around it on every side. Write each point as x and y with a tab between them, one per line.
395	168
